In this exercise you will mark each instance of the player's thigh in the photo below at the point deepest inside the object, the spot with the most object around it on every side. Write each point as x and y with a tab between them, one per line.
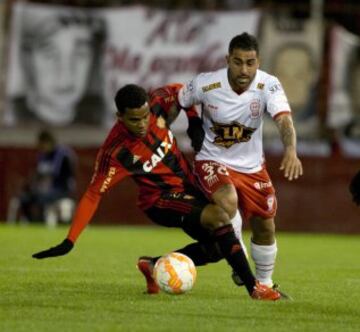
256	194
215	181
181	210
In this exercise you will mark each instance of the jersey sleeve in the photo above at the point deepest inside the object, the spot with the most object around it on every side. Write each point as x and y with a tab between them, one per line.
164	102
190	94
106	175
276	100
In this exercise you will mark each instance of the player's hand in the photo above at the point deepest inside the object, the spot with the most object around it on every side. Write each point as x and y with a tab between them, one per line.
61	249
355	188
196	133
291	165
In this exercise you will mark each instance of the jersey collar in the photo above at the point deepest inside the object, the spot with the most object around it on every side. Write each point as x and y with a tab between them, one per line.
254	82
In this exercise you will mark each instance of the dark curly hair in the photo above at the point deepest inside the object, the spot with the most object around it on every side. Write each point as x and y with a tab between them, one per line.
130	96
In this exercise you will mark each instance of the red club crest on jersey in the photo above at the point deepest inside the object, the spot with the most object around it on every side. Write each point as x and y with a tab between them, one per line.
255	108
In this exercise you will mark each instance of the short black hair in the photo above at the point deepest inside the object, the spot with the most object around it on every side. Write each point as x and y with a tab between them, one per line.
130	96
245	41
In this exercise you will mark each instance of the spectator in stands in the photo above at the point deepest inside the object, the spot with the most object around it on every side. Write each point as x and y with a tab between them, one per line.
49	193
355	188
60	53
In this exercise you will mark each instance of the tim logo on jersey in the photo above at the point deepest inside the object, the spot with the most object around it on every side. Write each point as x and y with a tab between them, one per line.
229	134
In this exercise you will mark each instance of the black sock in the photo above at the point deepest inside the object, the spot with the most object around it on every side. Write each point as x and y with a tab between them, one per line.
196	252
200	253
234	254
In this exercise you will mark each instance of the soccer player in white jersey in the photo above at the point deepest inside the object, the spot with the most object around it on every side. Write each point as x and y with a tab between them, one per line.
230	164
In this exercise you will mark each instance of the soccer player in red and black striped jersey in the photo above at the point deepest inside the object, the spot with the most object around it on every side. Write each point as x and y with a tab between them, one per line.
142	146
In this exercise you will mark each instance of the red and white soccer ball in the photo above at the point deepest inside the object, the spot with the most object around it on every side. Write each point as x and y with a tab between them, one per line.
175	273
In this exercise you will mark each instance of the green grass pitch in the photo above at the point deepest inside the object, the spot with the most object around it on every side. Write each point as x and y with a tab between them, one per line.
97	287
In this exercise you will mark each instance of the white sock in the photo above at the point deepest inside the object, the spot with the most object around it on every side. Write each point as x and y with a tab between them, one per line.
264	258
237	225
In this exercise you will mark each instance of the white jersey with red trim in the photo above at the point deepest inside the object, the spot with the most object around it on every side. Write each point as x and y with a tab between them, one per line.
232	122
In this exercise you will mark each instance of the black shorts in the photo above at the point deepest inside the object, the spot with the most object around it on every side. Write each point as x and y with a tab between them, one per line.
181	210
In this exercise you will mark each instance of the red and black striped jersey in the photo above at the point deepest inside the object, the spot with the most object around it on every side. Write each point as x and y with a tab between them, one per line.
154	162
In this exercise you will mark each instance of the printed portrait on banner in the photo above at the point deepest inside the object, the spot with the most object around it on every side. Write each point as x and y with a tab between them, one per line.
55	73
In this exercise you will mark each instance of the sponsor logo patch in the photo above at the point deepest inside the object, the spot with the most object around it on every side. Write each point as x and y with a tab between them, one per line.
262	185
136	158
190	86
211	86
159	154
106	183
276	87
229	134
212	107
170	99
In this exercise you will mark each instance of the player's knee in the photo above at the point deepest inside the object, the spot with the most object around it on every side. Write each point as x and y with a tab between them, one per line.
226	198
214	216
263	231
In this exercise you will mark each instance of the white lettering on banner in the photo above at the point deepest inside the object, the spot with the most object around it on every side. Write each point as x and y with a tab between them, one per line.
155	47
179	27
123	59
141	46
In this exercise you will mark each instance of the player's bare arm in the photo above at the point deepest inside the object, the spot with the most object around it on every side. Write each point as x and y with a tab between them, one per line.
290	164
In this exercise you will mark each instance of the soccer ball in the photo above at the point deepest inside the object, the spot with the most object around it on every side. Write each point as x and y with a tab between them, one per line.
175	273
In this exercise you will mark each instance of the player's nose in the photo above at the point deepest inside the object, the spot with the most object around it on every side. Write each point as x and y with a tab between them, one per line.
244	70
143	124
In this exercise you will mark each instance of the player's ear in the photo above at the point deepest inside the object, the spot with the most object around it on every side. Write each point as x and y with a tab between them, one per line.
227	59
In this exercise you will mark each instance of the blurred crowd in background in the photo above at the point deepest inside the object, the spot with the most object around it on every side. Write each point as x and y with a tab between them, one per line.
63	60
312	46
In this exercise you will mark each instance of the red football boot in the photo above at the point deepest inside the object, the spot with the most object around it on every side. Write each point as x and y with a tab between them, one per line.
265	293
146	267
